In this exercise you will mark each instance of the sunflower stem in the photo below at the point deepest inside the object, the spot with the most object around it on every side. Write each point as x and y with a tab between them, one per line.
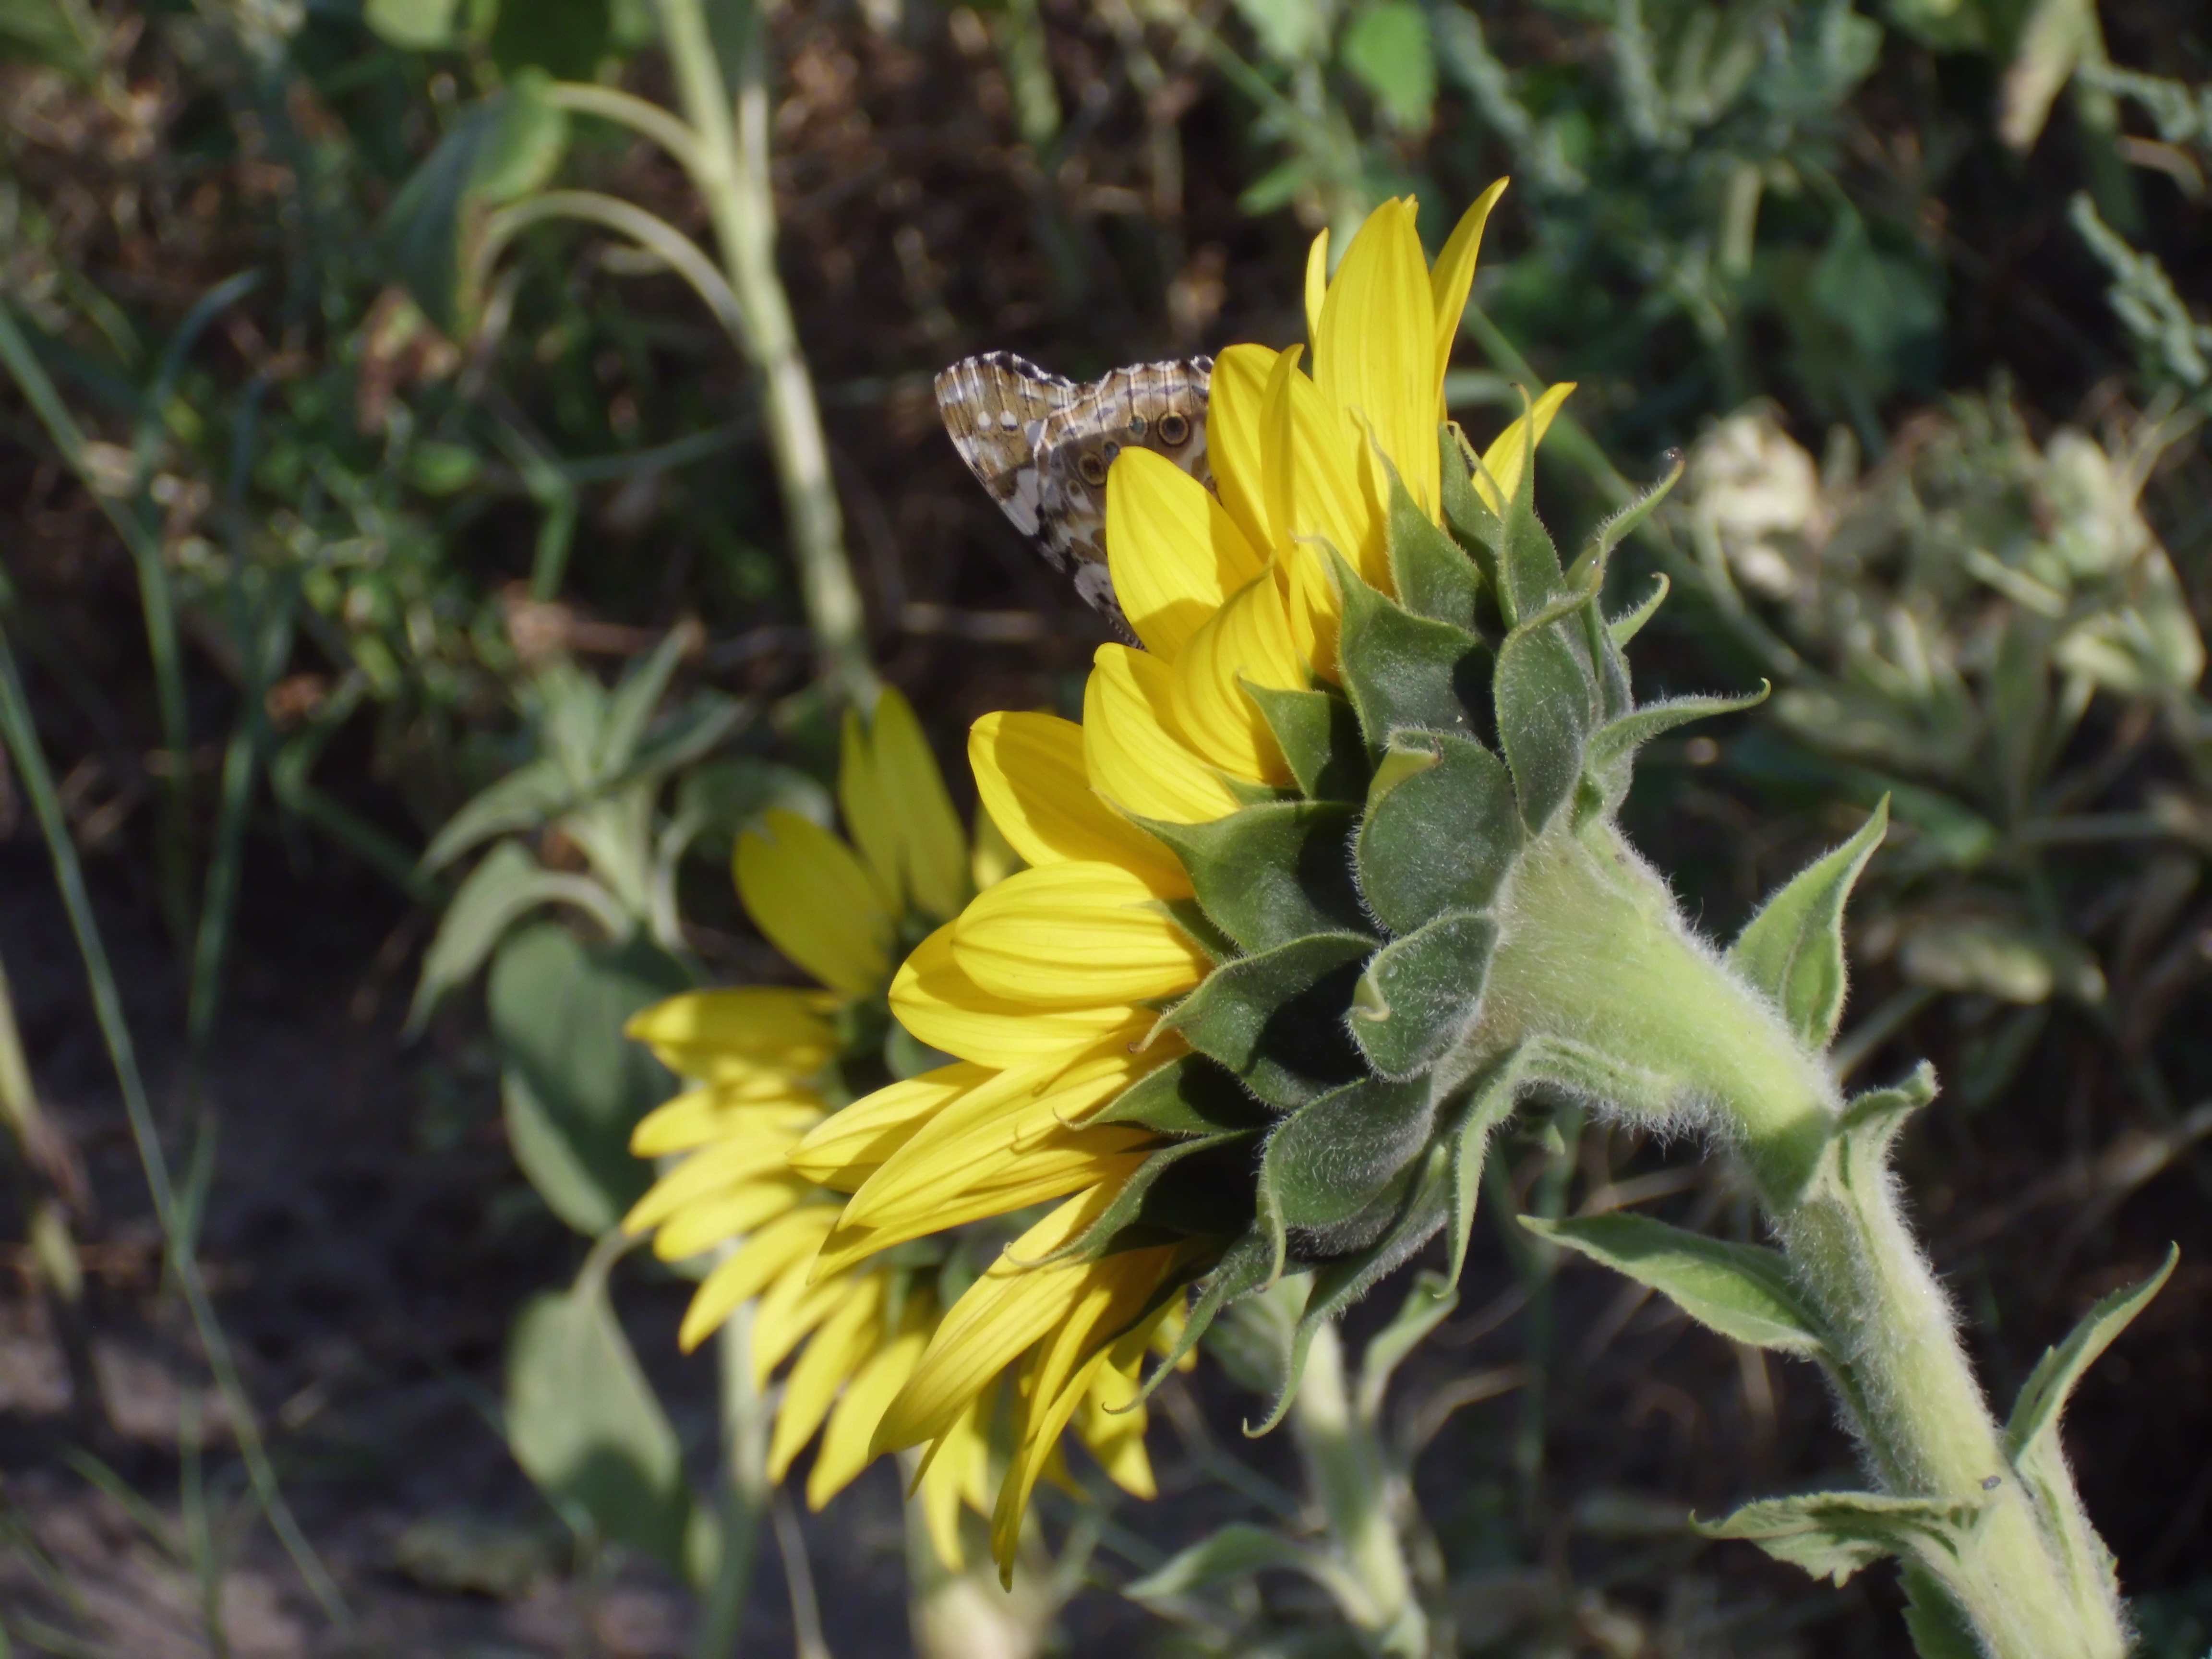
1594	953
1349	1475
729	164
741	1497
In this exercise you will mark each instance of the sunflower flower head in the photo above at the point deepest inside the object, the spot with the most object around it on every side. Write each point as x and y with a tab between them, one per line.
769	1067
1325	876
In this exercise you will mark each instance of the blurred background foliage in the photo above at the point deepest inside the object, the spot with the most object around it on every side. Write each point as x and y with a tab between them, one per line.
421	553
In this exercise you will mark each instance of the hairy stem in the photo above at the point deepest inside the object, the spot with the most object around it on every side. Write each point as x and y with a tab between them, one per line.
730	166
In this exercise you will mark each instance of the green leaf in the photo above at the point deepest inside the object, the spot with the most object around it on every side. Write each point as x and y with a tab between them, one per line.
504	146
1932	1619
1288	31
1236	1552
1870	1121
629	707
1428	1304
1440	832
413	25
62	34
566	38
1529	573
1742	1291
1547	704
1618	528
506	885
2033	1429
1487	1106
1271	873
575	1085
1320	738
1402	671
586	1428
1248	1264
1419	993
1192	1095
1478	531
1627	625
718	802
526	800
1339	1284
1276	1019
1609	758
1388	50
1434	578
1832	1535
1793	949
1325	1164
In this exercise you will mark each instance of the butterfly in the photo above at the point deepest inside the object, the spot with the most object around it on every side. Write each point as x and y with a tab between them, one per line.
1041	444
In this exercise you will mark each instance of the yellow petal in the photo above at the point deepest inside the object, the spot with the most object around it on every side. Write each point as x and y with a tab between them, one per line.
1175	552
709	1172
1313	457
1234	409
1073	936
816	902
846	1339
700	1115
1498	478
716	1034
1029	771
1132	752
991	856
932	853
1066	1366
869	812
1375	353
708	1222
850	1144
1008	1309
848	1437
1316	283
953	1472
1111	1425
1453	279
1248	639
789	1314
778	1250
936	1000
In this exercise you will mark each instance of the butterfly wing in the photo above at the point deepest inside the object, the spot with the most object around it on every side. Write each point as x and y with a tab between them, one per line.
1043	445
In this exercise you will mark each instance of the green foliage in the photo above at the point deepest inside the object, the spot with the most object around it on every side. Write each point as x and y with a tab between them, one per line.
574	1086
1793	949
1832	1535
1742	1291
586	1428
2032	1431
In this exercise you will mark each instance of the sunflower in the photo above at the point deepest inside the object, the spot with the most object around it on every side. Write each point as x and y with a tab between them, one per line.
768	1065
1067	1086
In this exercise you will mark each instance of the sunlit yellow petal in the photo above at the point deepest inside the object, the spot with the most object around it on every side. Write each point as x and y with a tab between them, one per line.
846	1339
1029	771
991	856
936	1000
1234	409
1499	476
1313	461
816	902
848	1437
778	1250
708	1222
1316	283
715	1035
1074	935
932	853
1374	354
1130	748
954	1471
849	1145
699	1115
1248	639
788	1314
870	813
1175	552
1008	1308
1453	278
711	1170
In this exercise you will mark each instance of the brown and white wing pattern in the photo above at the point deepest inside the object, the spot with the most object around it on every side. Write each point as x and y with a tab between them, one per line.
1041	445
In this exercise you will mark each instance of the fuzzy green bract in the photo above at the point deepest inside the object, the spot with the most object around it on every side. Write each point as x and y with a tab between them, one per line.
1484	711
